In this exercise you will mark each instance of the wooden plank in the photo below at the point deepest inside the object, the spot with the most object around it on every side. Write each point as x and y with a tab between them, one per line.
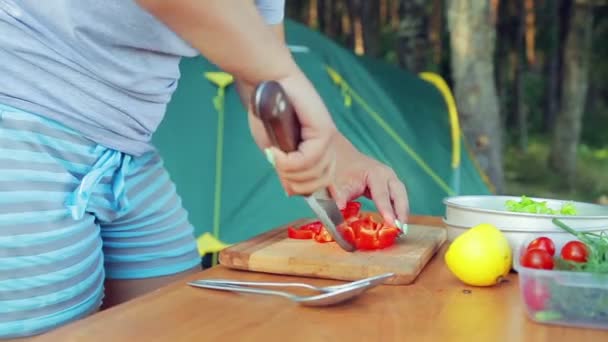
274	252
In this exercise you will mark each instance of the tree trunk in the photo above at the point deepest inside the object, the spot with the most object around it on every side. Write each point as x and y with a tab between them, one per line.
435	31
329	19
503	75
352	7
472	40
298	10
322	21
520	108
412	43
552	66
566	132
370	22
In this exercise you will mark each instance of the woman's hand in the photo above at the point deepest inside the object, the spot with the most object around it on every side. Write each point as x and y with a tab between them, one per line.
312	166
325	158
359	175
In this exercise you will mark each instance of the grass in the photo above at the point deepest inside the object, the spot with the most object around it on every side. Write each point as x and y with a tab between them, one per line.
528	174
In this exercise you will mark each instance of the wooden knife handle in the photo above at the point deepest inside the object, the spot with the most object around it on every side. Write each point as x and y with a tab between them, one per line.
272	106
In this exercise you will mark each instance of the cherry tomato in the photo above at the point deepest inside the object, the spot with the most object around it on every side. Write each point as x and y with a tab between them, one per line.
543	242
536	294
537	258
575	251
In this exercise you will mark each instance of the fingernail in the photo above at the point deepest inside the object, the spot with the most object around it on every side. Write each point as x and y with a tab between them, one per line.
269	156
403	226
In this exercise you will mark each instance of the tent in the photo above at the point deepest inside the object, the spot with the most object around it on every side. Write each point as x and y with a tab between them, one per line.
231	192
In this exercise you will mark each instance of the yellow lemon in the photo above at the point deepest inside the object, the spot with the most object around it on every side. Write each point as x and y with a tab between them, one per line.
480	257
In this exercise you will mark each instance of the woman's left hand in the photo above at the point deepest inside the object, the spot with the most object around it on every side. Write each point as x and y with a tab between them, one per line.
359	175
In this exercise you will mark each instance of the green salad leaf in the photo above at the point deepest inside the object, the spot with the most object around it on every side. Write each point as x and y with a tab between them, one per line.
528	205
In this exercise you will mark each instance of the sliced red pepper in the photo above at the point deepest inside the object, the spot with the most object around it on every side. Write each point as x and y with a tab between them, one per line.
367	237
349	235
314	227
294	233
351	210
364	231
323	236
387	236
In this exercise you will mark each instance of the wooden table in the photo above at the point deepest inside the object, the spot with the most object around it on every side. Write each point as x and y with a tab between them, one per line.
437	307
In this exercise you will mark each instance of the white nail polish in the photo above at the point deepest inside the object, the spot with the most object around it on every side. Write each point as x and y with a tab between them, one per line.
402	226
269	156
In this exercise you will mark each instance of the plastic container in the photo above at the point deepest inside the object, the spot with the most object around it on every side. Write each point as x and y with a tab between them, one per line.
558	297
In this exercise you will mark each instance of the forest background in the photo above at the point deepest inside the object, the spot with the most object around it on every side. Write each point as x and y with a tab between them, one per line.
529	78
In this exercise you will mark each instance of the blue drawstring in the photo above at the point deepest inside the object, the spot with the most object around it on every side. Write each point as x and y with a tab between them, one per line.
110	161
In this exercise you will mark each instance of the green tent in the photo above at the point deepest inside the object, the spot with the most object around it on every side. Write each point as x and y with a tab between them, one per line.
230	190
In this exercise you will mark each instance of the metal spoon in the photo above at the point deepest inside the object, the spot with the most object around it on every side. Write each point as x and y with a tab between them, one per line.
373	281
324	299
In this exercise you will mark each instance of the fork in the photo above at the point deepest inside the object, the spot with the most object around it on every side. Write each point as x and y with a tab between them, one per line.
372	281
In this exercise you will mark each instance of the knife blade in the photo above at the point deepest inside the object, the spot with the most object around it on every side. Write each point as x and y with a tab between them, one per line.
272	106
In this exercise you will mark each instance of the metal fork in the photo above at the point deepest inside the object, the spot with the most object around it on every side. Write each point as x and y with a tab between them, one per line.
324	299
372	281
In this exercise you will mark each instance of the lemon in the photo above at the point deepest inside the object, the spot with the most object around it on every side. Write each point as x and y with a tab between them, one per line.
480	257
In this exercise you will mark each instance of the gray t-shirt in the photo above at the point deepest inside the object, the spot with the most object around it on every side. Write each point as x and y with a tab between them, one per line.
106	68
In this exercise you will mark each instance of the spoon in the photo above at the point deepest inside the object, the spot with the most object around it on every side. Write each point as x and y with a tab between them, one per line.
373	281
325	299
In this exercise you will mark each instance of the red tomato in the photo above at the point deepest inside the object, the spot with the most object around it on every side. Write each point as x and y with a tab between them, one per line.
537	258
543	242
575	251
299	234
536	294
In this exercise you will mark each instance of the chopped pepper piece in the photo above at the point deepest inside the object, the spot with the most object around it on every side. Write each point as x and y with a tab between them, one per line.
363	231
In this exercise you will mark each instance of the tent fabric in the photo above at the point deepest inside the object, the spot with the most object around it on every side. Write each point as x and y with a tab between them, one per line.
232	193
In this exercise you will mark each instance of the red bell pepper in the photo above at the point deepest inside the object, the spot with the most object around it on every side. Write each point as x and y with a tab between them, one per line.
351	210
300	234
323	236
314	227
361	230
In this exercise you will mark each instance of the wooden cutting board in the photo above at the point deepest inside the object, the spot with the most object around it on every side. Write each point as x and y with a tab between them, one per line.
274	252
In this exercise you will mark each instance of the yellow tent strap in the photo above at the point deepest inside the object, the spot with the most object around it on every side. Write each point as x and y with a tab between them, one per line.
457	135
222	80
438	82
483	175
336	78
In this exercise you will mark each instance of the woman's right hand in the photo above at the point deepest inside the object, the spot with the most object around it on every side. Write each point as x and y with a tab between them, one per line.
312	166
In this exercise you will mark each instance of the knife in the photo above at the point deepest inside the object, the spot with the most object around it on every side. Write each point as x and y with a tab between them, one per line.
272	106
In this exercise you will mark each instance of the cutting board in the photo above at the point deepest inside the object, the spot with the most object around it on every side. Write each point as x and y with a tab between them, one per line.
274	252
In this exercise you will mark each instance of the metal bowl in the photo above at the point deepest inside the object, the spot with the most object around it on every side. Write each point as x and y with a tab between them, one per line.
464	212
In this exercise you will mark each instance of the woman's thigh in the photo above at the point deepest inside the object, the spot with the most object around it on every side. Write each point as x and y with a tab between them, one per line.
151	241
73	214
51	265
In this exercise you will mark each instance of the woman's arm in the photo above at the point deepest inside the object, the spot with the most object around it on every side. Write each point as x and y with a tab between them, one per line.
230	33
245	89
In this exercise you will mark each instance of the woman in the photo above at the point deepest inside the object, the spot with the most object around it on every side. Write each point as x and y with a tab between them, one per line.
88	214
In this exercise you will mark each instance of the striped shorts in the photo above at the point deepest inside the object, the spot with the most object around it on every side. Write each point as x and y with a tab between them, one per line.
74	213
